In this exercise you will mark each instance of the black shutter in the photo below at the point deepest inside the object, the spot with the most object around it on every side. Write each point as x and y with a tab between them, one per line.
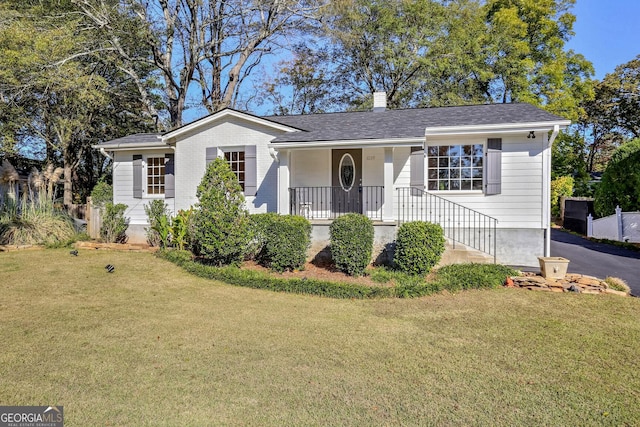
493	167
169	176
137	176
250	171
417	168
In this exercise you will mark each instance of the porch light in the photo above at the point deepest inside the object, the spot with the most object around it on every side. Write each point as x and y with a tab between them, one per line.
531	135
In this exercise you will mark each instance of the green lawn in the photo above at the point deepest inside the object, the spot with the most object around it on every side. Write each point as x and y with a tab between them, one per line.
151	345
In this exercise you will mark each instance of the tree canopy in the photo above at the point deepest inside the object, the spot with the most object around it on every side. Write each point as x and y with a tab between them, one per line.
620	184
56	101
77	72
435	52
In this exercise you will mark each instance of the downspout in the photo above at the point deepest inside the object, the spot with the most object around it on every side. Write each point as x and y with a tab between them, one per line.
104	153
547	187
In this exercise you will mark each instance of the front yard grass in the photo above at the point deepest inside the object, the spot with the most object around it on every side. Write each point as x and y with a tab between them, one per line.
152	345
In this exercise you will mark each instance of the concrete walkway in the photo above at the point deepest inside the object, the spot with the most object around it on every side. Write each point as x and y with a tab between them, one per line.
597	259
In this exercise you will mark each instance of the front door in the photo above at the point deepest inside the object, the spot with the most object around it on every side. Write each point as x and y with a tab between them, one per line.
346	181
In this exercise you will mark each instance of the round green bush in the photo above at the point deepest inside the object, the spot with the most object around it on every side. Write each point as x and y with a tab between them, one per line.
258	227
351	243
620	185
419	246
220	222
281	241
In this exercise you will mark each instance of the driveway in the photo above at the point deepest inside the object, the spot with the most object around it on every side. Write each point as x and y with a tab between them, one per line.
597	259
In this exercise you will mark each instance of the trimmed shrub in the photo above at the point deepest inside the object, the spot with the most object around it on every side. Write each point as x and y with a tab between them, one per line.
282	240
620	185
159	220
452	278
220	222
459	277
114	224
263	280
351	237
419	246
258	224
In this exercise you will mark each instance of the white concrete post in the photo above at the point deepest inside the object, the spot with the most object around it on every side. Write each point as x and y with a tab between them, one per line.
284	180
387	206
590	225
619	220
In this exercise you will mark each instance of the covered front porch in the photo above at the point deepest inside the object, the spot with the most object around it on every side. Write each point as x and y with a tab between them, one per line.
380	182
323	184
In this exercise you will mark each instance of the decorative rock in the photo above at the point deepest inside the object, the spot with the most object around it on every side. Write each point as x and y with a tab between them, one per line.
555	284
537	279
614	292
572	282
588	281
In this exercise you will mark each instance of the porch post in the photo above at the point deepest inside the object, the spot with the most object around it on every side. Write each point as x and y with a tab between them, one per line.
387	206
283	182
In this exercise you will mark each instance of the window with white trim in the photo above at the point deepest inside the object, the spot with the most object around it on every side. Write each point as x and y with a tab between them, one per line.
155	175
236	161
455	167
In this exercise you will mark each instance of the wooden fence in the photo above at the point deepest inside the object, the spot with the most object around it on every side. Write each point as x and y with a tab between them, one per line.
89	213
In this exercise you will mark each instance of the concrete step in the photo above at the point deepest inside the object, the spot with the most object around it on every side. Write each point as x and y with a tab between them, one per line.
463	254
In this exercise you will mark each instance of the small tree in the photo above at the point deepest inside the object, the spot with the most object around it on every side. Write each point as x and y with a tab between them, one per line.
221	224
620	185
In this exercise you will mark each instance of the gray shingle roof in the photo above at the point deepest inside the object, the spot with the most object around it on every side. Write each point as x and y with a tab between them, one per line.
137	138
410	123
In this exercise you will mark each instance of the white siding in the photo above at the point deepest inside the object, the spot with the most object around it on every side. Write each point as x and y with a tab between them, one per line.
123	186
520	203
311	168
401	173
372	165
190	160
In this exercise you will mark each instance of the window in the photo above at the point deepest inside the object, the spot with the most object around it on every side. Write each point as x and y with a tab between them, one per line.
347	172
455	167
155	175
237	163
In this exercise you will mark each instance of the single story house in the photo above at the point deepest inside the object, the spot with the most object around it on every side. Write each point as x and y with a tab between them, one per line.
481	171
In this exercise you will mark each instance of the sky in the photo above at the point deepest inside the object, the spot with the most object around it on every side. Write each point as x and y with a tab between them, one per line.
607	33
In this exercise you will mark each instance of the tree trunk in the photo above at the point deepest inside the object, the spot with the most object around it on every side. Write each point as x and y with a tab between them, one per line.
68	184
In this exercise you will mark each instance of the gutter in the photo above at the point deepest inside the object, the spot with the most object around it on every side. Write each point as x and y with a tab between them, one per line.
355	143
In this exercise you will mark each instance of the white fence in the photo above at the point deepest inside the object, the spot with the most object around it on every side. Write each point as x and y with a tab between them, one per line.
623	227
